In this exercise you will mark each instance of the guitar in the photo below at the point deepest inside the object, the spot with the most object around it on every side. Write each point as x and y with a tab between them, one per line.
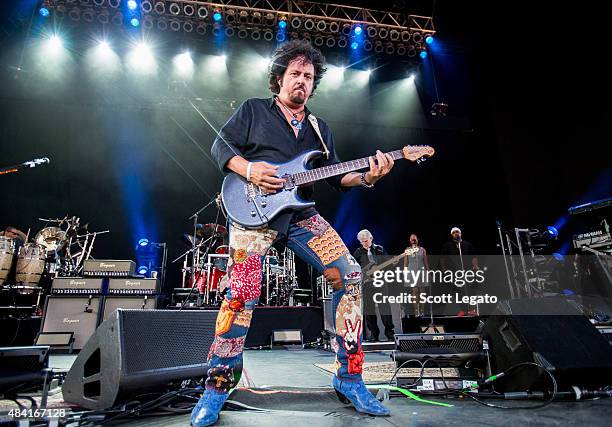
249	206
370	269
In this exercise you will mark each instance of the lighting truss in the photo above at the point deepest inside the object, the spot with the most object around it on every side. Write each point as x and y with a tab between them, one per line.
396	32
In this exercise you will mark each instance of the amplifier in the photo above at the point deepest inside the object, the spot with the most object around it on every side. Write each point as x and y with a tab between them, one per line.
593	239
109	268
449	349
76	285
139	286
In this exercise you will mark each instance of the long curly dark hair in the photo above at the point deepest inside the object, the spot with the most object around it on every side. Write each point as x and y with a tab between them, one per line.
287	52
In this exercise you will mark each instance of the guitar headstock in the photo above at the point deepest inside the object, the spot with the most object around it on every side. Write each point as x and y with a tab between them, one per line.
418	153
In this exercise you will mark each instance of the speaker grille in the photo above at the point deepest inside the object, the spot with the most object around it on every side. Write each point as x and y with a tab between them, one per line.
456	345
143	331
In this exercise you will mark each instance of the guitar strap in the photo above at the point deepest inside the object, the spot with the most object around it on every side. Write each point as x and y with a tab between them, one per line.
315	125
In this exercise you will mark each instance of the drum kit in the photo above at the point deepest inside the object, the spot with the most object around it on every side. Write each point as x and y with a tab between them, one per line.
207	274
27	267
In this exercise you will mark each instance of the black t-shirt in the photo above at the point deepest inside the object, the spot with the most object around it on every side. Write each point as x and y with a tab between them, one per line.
258	131
450	254
361	254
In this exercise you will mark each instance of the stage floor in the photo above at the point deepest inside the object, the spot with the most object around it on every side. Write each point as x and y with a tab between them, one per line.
317	406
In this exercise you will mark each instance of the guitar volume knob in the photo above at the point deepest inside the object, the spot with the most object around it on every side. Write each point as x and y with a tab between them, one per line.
253	213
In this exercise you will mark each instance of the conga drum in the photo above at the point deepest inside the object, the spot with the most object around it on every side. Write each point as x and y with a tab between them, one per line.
7	255
30	264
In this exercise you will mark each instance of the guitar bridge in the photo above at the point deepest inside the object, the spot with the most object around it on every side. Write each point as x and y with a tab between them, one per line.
289	183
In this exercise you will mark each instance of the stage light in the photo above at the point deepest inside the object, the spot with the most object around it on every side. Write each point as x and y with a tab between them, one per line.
183	64
334	27
394	35
282	23
423	54
146	6
255	34
346	29
411	78
429	39
342	42
309	24
268	35
143	270
264	63
104	48
330	41
354	45
44	12
335	76
203	12
143	242
372	31
132	5
296	22
281	36
217	63
439	109
552	231
174	8
256	18
134	22
357	29
160	7
141	59
417	37
217	16
55	44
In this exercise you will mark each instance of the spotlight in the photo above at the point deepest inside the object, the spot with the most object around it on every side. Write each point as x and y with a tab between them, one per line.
143	270
189	10
401	49
367	45
201	29
372	32
203	13
143	242
411	51
146	6
243	16
383	33
378	47
405	35
134	22
282	22
334	27
217	16
117	19
55	43
318	41
255	34
218	63
411	78
114	3
281	36
132	5
330	41
104	48
552	231
256	18
44	12
175	25
269	19
75	14
394	35
162	24
321	25
423	54
217	29
268	35
243	33
354	45
429	39
103	17
296	22
88	15
229	31
264	63
357	29
101	2
389	49
187	26
309	24
160	8
342	42
230	16
183	63
417	37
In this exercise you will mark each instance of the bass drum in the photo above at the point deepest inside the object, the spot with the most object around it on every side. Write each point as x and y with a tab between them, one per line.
7	255
30	264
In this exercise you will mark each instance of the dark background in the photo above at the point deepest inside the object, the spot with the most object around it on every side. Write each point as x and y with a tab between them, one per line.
527	135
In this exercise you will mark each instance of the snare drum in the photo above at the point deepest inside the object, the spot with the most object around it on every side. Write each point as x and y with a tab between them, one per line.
7	255
201	280
30	264
220	262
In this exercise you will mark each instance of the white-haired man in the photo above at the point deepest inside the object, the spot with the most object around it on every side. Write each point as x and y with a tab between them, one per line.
369	254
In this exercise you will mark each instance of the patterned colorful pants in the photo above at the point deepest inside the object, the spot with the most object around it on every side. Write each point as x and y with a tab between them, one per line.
317	243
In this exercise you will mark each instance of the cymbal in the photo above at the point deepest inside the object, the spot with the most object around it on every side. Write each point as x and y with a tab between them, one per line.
210	229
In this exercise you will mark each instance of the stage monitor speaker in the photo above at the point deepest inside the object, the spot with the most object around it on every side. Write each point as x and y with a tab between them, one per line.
567	344
77	314
111	303
138	350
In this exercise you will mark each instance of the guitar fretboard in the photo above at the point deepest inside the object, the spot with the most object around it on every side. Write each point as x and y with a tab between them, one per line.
313	175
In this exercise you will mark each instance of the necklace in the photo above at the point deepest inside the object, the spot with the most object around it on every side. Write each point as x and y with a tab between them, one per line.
294	121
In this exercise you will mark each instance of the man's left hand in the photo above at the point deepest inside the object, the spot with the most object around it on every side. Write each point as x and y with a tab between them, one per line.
380	168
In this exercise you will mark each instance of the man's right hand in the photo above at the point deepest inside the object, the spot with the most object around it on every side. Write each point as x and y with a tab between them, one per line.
263	175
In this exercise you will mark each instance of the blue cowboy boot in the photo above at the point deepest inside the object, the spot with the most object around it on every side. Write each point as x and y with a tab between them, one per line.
206	412
357	393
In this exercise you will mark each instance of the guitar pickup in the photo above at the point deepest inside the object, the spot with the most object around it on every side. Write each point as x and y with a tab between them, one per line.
289	182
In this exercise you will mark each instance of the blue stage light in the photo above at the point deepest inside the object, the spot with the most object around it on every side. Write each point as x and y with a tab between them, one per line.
143	242
552	231
357	30
131	4
423	54
143	270
44	12
217	16
135	22
282	24
354	45
429	39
